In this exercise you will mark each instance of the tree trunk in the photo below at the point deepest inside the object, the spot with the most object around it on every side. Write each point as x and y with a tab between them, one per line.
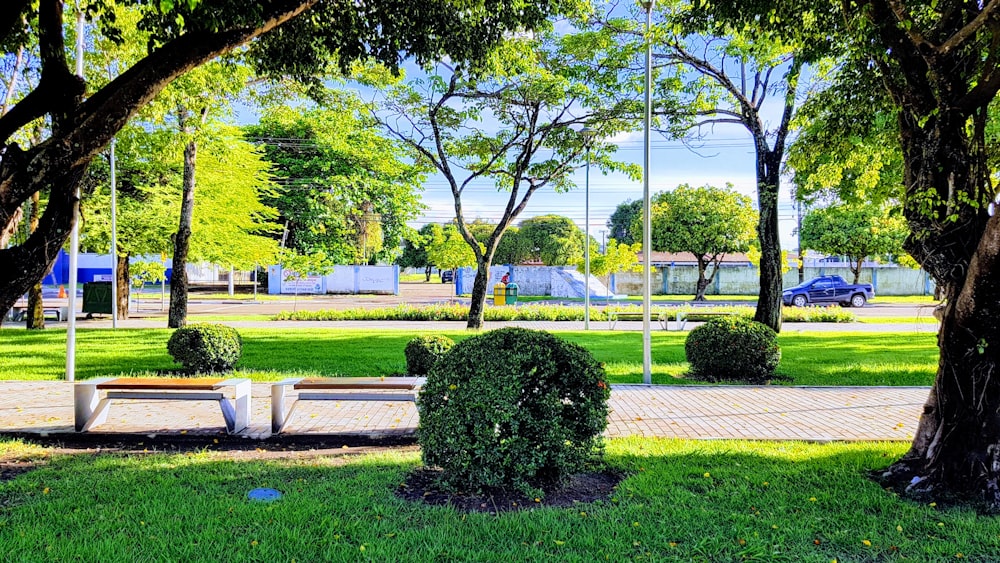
769	298
479	288
956	450
124	286
36	309
699	293
35	315
856	269
177	316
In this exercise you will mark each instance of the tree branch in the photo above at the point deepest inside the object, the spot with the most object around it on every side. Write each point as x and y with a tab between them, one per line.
970	28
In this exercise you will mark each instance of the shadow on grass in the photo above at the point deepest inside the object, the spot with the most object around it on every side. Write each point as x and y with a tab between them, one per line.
719	501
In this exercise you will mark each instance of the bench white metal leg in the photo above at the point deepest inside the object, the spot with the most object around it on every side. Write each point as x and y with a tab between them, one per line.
91	410
88	407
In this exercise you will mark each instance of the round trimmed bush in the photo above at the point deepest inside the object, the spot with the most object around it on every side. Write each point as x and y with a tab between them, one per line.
205	347
513	409
733	348
424	351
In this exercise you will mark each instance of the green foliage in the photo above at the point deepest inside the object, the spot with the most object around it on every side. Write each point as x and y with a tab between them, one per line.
344	188
615	258
708	222
424	351
733	348
622	221
447	249
507	122
512	408
554	240
513	247
455	312
205	347
857	231
146	272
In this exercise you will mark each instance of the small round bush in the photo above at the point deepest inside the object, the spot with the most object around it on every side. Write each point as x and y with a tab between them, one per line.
733	348
512	409
206	347
424	351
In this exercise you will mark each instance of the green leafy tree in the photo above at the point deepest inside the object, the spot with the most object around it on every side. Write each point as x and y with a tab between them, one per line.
617	257
514	121
621	221
343	188
854	231
513	248
938	64
711	75
447	249
316	37
553	239
414	253
708	222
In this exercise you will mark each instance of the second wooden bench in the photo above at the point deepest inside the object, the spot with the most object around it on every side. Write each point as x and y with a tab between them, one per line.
403	389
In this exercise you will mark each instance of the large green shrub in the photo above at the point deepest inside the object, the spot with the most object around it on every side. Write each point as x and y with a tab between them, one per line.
514	409
733	348
424	351
205	347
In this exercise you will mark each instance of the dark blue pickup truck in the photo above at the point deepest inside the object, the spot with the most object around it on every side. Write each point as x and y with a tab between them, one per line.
828	289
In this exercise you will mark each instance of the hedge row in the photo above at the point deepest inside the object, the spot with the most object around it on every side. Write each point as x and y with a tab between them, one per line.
459	312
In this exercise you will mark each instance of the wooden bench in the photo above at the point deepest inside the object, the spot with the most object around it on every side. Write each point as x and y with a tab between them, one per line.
92	410
682	317
662	316
339	389
18	312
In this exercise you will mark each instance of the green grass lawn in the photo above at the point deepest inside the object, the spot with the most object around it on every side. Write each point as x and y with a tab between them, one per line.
819	358
683	501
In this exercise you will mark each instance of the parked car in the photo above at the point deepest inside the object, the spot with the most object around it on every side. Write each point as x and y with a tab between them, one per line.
447	276
828	289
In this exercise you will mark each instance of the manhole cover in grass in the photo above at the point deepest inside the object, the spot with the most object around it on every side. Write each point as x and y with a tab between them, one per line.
264	495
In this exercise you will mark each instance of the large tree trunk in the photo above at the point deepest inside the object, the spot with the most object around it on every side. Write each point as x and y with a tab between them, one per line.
956	450
124	286
769	298
177	316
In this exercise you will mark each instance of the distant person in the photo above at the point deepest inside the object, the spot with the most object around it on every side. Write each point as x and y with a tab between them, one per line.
505	279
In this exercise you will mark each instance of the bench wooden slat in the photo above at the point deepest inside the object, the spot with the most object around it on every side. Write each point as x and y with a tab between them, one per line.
165	384
357	383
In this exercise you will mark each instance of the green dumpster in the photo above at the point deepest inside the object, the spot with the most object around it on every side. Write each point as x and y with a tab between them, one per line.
97	298
511	293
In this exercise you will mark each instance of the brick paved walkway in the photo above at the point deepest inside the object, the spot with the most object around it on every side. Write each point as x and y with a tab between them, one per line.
697	412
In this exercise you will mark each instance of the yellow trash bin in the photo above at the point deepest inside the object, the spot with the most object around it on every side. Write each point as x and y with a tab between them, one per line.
499	294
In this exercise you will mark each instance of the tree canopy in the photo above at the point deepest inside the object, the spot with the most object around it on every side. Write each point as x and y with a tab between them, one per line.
553	240
855	231
706	221
84	115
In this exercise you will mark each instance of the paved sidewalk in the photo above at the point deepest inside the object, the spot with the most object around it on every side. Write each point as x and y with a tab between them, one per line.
45	408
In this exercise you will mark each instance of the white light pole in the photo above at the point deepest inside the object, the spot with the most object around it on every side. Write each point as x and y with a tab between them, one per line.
588	136
114	241
647	238
74	237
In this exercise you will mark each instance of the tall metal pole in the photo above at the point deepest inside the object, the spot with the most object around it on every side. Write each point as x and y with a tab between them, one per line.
647	237
586	246
74	238
114	241
588	135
